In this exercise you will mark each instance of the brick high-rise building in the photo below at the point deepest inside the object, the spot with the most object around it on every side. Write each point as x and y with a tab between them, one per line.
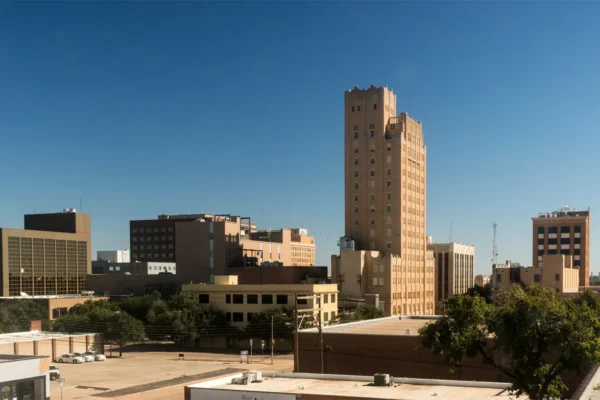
384	250
564	232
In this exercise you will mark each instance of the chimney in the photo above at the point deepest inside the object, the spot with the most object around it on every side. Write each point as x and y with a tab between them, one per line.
35	325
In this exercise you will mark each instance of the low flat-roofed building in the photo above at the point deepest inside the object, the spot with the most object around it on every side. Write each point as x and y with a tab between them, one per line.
240	302
291	386
553	271
24	377
134	268
134	285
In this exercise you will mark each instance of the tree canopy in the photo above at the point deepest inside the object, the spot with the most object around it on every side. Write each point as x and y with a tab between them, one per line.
482	291
17	316
362	313
529	334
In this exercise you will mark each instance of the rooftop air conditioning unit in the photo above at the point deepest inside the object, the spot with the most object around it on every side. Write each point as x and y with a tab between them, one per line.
382	380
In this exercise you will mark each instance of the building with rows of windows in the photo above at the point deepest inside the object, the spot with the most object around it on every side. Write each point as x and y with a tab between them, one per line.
51	256
564	232
384	249
241	302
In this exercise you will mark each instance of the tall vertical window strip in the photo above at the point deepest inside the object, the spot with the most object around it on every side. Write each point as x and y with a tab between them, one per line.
439	276
14	266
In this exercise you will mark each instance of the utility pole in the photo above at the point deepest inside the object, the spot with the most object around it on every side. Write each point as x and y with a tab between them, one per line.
272	338
297	313
321	334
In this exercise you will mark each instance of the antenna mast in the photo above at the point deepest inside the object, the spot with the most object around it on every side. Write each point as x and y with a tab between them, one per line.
494	246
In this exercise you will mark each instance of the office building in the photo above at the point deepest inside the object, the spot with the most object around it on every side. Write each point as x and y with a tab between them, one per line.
46	261
253	385
564	232
384	247
155	239
554	271
454	270
241	302
279	275
113	256
207	247
134	268
482	280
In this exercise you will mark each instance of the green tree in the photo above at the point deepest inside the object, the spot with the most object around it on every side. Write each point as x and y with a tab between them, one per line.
123	329
17	316
362	313
283	325
538	335
139	306
483	291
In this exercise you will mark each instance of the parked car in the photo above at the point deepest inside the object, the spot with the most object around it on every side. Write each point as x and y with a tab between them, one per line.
54	373
87	358
97	356
70	358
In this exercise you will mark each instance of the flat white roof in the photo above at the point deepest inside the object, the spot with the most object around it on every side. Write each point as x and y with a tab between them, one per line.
344	386
35	335
49	296
395	326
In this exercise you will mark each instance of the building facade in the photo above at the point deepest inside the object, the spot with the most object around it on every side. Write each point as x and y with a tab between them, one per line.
241	302
482	280
24	377
554	271
134	268
279	275
385	204
44	262
564	232
114	256
454	270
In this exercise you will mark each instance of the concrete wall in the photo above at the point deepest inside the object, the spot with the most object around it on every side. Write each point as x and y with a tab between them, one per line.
278	275
137	285
79	344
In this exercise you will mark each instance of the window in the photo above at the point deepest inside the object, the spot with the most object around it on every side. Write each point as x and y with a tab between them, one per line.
372	149
282	299
163	229
238	317
356	186
563	240
372	233
388	232
565	251
352	108
372	209
332	315
110	268
540	241
552	229
388	147
163	238
356	210
228	316
388	208
355	222
155	237
552	252
372	246
536	277
356	161
553	241
238	299
358	108
355	197
333	298
372	172
134	239
155	229
577	229
267	299
325	316
372	197
203	298
372	134
134	230
355	127
388	245
388	159
372	184
250	316
565	229
577	240
252	299
170	229
325	299
302	301
228	298
540	230
498	278
389	171
389	196
374	106
372	161
540	252
577	252
388	184
372	221
356	150
356	137
371	126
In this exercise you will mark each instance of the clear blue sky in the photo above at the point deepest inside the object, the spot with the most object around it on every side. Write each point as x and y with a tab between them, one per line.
152	107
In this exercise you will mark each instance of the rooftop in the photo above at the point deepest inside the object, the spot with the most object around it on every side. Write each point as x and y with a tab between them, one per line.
345	386
51	296
30	336
562	213
396	326
10	358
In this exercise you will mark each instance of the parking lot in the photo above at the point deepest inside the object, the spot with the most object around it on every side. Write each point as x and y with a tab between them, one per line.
152	375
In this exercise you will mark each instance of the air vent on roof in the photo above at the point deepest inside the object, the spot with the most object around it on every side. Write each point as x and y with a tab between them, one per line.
382	380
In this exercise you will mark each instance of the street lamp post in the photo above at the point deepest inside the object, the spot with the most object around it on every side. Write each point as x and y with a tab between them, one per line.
61	381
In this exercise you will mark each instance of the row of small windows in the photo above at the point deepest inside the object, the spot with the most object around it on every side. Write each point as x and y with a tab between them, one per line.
149	238
563	229
239	317
136	256
150	230
358	107
562	241
281	299
372	172
150	247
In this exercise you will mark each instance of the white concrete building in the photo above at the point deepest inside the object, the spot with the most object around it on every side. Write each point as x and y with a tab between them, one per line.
115	256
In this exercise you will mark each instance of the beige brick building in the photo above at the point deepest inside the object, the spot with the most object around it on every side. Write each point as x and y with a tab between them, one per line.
207	246
454	270
241	302
553	271
564	232
385	205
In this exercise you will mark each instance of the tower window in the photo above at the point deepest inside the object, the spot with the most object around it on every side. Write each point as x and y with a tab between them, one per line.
372	197
355	222
389	208
372	161
358	108
352	108
388	147
355	127
372	221
374	106
389	196
356	161
389	184
356	186
372	134
389	171
372	208
355	150
355	197
356	210
372	172
356	174
355	135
